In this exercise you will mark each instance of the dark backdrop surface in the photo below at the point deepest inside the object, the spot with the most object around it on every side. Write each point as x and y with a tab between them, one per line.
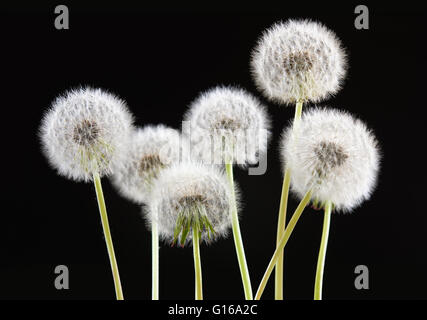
158	60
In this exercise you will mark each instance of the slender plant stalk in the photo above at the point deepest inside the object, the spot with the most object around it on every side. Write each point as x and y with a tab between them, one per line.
197	264
322	252
281	223
155	261
298	111
282	243
107	235
244	272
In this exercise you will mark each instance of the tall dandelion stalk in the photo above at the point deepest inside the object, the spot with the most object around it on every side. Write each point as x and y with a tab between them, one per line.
238	242
151	149
84	136
294	62
227	127
107	235
193	203
281	223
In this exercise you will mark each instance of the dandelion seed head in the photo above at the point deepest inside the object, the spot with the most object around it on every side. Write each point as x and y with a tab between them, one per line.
334	154
85	131
188	193
228	125
298	61
152	149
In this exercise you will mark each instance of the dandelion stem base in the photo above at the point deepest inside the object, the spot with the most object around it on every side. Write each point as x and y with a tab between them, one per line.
288	231
281	224
197	264
155	261
322	252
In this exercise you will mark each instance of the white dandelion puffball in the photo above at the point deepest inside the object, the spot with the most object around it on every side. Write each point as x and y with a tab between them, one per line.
333	154
227	125
151	149
85	132
188	194
298	61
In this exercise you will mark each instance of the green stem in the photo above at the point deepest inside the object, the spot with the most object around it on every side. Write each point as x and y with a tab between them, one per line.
240	251
322	252
197	264
107	235
281	223
155	260
298	111
282	243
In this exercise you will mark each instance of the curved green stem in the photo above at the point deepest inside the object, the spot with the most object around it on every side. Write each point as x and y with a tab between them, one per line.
197	264
281	223
240	251
155	261
107	235
322	252
288	231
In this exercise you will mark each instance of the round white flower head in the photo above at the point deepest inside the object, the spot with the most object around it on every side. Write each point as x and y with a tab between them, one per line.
85	132
187	197
298	61
227	125
333	154
151	149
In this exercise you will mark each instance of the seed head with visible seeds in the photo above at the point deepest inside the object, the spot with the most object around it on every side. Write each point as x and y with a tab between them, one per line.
151	149
188	196
333	154
85	132
298	61
228	125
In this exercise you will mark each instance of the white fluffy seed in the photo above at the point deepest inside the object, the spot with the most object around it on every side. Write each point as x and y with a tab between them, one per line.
177	190
152	149
85	132
298	60
228	125
334	154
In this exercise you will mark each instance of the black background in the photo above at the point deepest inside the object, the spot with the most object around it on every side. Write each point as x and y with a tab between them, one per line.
158	60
